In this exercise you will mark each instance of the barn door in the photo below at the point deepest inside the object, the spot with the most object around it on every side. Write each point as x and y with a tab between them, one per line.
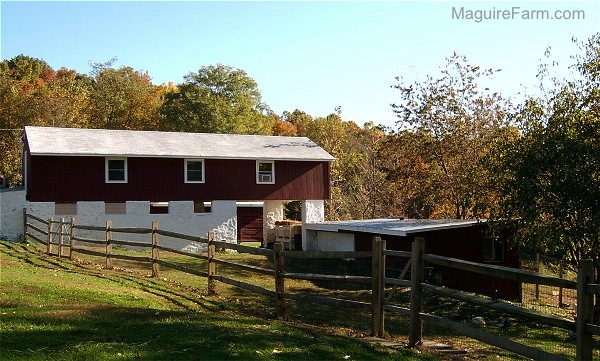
250	223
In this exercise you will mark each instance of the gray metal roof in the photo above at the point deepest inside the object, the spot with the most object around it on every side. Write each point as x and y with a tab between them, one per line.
130	143
393	227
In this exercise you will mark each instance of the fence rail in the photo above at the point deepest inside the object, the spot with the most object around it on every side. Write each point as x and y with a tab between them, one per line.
419	289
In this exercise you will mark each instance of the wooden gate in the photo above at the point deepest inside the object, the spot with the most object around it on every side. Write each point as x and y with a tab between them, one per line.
59	233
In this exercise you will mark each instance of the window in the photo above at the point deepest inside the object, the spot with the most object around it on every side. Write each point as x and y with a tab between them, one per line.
265	172
493	249
116	170
194	170
202	207
159	207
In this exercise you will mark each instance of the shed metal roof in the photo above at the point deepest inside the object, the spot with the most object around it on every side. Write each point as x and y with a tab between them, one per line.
393	227
130	143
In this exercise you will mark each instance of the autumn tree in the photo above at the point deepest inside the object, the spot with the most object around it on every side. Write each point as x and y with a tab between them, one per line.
299	119
217	99
20	83
356	181
123	98
458	125
549	178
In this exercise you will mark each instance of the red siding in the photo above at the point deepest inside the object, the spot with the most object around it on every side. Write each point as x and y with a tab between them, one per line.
70	179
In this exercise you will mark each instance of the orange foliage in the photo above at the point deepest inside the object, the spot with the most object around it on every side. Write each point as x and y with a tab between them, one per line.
284	128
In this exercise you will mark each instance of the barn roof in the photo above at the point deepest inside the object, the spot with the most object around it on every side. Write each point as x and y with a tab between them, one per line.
130	143
393	227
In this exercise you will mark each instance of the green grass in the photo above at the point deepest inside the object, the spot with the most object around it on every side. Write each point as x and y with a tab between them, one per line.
54	309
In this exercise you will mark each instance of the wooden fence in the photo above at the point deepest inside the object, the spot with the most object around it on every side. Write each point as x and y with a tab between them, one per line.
51	232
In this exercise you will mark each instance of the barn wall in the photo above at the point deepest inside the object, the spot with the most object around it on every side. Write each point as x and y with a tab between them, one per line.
181	218
59	179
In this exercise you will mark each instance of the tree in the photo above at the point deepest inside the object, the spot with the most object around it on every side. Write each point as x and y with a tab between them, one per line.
458	126
124	99
26	68
549	178
356	181
217	99
299	119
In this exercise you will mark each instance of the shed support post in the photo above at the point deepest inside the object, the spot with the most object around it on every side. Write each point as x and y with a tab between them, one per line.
378	286
585	310
415	332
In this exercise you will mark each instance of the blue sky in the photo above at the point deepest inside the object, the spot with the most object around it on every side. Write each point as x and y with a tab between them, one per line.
312	56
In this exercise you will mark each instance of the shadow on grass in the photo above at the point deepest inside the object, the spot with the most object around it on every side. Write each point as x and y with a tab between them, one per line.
77	327
146	334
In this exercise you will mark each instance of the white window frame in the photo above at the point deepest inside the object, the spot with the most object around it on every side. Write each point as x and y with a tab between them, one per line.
107	159
258	163
185	170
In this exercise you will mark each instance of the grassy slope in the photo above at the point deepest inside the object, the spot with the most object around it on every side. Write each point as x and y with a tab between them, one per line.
57	309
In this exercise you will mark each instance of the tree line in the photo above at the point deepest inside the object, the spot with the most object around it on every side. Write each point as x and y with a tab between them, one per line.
458	150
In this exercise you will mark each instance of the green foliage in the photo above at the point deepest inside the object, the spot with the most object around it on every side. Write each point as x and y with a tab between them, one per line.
25	68
123	99
550	176
217	99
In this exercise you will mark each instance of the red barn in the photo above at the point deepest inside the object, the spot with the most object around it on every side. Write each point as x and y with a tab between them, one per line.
169	173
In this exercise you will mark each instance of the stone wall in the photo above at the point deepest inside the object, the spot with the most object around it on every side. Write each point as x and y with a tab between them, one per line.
180	218
12	202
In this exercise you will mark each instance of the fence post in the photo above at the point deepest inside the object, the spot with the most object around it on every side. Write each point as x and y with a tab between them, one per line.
108	244
49	245
561	273
24	224
537	285
279	264
61	227
212	267
415	332
585	310
378	283
72	238
155	251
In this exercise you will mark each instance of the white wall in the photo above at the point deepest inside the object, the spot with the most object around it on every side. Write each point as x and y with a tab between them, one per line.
329	241
335	242
12	202
313	211
181	218
272	212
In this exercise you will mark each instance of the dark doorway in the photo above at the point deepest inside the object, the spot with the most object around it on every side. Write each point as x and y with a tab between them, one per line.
250	223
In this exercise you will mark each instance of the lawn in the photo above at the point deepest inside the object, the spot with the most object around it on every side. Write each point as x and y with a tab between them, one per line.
77	310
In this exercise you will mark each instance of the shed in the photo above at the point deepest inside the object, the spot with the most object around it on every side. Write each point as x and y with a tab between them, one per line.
469	240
